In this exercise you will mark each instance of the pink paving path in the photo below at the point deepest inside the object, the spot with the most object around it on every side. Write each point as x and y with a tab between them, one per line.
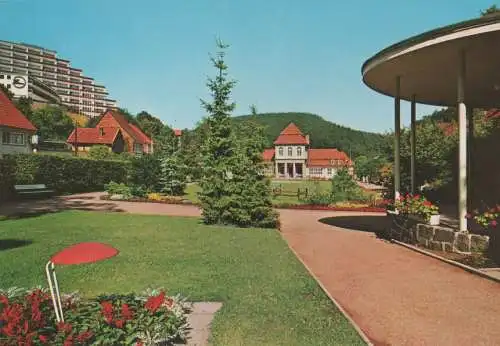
396	296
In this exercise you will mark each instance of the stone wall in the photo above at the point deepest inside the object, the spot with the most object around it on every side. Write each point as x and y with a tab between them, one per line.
413	231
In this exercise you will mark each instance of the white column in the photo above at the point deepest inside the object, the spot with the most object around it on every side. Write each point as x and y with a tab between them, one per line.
413	143
462	144
276	173
397	138
470	150
294	174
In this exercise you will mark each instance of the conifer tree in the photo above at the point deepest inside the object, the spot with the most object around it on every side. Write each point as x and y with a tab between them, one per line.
173	176
217	192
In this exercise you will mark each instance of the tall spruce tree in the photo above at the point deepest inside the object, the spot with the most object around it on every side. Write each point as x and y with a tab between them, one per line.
217	190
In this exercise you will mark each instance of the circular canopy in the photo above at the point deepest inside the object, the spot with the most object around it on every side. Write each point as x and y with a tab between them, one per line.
428	65
84	253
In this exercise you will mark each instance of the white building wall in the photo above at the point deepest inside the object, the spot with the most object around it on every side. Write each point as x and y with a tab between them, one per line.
298	152
16	83
15	149
321	172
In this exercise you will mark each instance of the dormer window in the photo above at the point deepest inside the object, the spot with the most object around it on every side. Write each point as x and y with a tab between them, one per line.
290	151
101	131
280	151
299	151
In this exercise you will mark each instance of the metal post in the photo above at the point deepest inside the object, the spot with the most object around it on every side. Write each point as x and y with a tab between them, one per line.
397	138
462	144
413	143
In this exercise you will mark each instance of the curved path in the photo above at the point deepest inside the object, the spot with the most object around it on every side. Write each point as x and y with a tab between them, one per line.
396	296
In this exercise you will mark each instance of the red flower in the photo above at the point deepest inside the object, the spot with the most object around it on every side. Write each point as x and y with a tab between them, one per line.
155	302
43	339
4	300
69	341
417	196
493	223
84	336
427	204
119	323
64	327
127	314
139	343
107	311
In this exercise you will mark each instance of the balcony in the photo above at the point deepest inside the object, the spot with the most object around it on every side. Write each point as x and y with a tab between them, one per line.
75	80
5	45
16	70
6	54
5	61
20	64
20	49
20	57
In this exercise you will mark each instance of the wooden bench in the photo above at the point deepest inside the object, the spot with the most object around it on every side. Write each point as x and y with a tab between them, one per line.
35	190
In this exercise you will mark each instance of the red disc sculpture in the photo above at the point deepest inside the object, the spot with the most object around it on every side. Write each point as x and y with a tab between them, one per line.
75	254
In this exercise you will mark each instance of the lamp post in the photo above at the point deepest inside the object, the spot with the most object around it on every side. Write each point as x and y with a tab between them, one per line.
76	138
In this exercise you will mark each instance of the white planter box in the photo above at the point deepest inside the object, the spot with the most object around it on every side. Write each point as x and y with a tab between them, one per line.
434	220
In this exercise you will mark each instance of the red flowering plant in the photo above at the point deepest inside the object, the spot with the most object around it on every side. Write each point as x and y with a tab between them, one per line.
487	217
416	205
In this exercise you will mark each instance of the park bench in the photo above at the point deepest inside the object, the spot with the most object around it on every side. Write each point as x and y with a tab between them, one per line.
35	190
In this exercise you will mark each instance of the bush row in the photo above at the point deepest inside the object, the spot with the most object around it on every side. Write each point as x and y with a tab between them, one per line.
65	174
7	179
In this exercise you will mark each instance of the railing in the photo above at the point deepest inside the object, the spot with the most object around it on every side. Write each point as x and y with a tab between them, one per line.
6	54
20	57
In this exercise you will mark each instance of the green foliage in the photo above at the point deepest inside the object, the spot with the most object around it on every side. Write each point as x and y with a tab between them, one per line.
122	189
344	188
368	166
151	125
173	176
319	196
24	105
323	134
146	172
7	178
101	152
493	9
92	122
165	143
52	123
189	151
67	174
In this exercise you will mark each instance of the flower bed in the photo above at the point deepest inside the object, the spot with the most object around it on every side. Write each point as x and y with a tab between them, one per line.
27	318
330	207
165	200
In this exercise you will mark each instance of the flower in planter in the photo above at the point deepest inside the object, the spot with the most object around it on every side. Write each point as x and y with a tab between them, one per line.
487	218
416	205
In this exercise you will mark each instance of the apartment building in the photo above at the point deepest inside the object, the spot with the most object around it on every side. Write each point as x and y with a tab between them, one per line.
78	92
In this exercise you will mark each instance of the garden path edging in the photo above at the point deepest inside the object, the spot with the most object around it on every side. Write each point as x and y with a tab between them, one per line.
454	263
200	323
356	327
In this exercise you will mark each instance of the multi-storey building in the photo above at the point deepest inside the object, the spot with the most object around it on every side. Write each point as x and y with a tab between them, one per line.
76	91
293	158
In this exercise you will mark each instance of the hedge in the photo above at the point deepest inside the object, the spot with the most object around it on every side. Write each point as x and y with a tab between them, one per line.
67	174
7	179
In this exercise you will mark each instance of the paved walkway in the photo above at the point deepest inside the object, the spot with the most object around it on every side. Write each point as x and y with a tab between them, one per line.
396	296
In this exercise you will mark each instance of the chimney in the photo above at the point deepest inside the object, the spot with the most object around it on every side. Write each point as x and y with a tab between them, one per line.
101	131
307	139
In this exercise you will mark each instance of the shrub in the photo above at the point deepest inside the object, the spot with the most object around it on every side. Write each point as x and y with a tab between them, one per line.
7	179
344	188
27	318
101	152
416	205
118	189
68	174
145	171
487	217
173	176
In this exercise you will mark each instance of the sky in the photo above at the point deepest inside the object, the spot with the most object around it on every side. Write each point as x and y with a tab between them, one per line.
286	55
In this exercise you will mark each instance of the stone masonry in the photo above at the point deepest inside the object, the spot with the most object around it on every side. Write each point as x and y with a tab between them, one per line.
439	238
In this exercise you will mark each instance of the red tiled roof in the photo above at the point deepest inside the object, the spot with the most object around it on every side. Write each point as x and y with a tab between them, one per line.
145	139
324	157
268	154
125	125
10	116
291	135
92	135
177	132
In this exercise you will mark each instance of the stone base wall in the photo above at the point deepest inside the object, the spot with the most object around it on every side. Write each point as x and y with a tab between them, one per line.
439	238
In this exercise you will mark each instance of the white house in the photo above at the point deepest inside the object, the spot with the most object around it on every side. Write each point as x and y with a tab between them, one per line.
15	129
292	157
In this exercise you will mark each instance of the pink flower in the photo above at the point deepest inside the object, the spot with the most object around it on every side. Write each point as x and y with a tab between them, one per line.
493	223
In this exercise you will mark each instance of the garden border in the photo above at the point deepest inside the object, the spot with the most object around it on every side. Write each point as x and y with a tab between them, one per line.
293	207
451	262
356	327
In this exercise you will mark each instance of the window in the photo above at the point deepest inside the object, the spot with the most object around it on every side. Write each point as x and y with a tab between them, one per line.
299	151
316	171
1	76
8	86
13	138
138	148
329	171
8	76
290	151
280	151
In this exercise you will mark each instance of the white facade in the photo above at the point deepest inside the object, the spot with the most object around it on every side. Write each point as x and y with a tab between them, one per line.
17	84
14	141
77	91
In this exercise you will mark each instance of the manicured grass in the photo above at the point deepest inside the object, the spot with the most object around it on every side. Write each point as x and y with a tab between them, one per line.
268	296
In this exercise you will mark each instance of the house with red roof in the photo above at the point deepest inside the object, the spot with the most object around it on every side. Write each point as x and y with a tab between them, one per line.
15	129
293	158
114	131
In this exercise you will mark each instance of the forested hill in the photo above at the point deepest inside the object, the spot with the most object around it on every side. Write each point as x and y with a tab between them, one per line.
323	134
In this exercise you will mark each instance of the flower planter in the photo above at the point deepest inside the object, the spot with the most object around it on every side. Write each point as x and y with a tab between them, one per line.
435	220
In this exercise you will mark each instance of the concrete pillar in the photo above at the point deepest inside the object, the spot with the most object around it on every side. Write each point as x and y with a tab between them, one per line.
413	143
397	138
470	151
294	174
462	144
276	172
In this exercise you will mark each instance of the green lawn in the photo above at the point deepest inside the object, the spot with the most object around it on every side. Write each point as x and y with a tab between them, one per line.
268	296
289	188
